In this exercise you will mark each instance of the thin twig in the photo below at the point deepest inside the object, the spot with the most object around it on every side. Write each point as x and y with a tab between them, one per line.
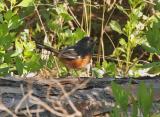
4	108
78	113
40	19
26	103
22	100
38	101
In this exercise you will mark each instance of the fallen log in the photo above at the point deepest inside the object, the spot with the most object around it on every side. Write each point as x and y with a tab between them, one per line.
64	97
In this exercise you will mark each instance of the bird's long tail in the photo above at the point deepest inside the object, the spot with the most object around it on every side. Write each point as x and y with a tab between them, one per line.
42	46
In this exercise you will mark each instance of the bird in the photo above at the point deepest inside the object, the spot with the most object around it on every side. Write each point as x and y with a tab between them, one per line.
74	57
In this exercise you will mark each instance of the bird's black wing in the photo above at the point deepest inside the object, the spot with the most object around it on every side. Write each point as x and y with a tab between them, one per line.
69	53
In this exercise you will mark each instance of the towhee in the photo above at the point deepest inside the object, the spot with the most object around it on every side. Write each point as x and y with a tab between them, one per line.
74	57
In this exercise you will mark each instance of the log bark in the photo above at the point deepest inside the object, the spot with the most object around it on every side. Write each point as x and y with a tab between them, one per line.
86	97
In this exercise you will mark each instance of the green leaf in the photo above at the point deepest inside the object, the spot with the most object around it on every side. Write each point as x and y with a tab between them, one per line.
26	3
121	96
19	66
30	46
3	30
154	68
110	68
61	9
4	71
153	64
66	17
118	51
115	26
153	36
8	15
34	63
98	73
6	41
14	22
7	57
2	6
123	42
145	98
135	3
149	48
78	34
121	9
54	26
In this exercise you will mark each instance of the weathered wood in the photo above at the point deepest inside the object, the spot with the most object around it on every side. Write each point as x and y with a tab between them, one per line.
90	96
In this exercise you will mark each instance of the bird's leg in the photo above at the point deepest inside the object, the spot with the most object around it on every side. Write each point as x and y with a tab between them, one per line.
88	68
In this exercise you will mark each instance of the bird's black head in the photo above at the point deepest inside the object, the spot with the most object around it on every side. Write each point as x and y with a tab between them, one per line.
86	44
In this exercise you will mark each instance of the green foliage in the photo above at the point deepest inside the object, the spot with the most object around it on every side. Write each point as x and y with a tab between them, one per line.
121	96
107	68
98	72
17	49
26	3
115	26
145	98
9	22
17	52
61	29
154	68
143	103
152	45
153	37
133	31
